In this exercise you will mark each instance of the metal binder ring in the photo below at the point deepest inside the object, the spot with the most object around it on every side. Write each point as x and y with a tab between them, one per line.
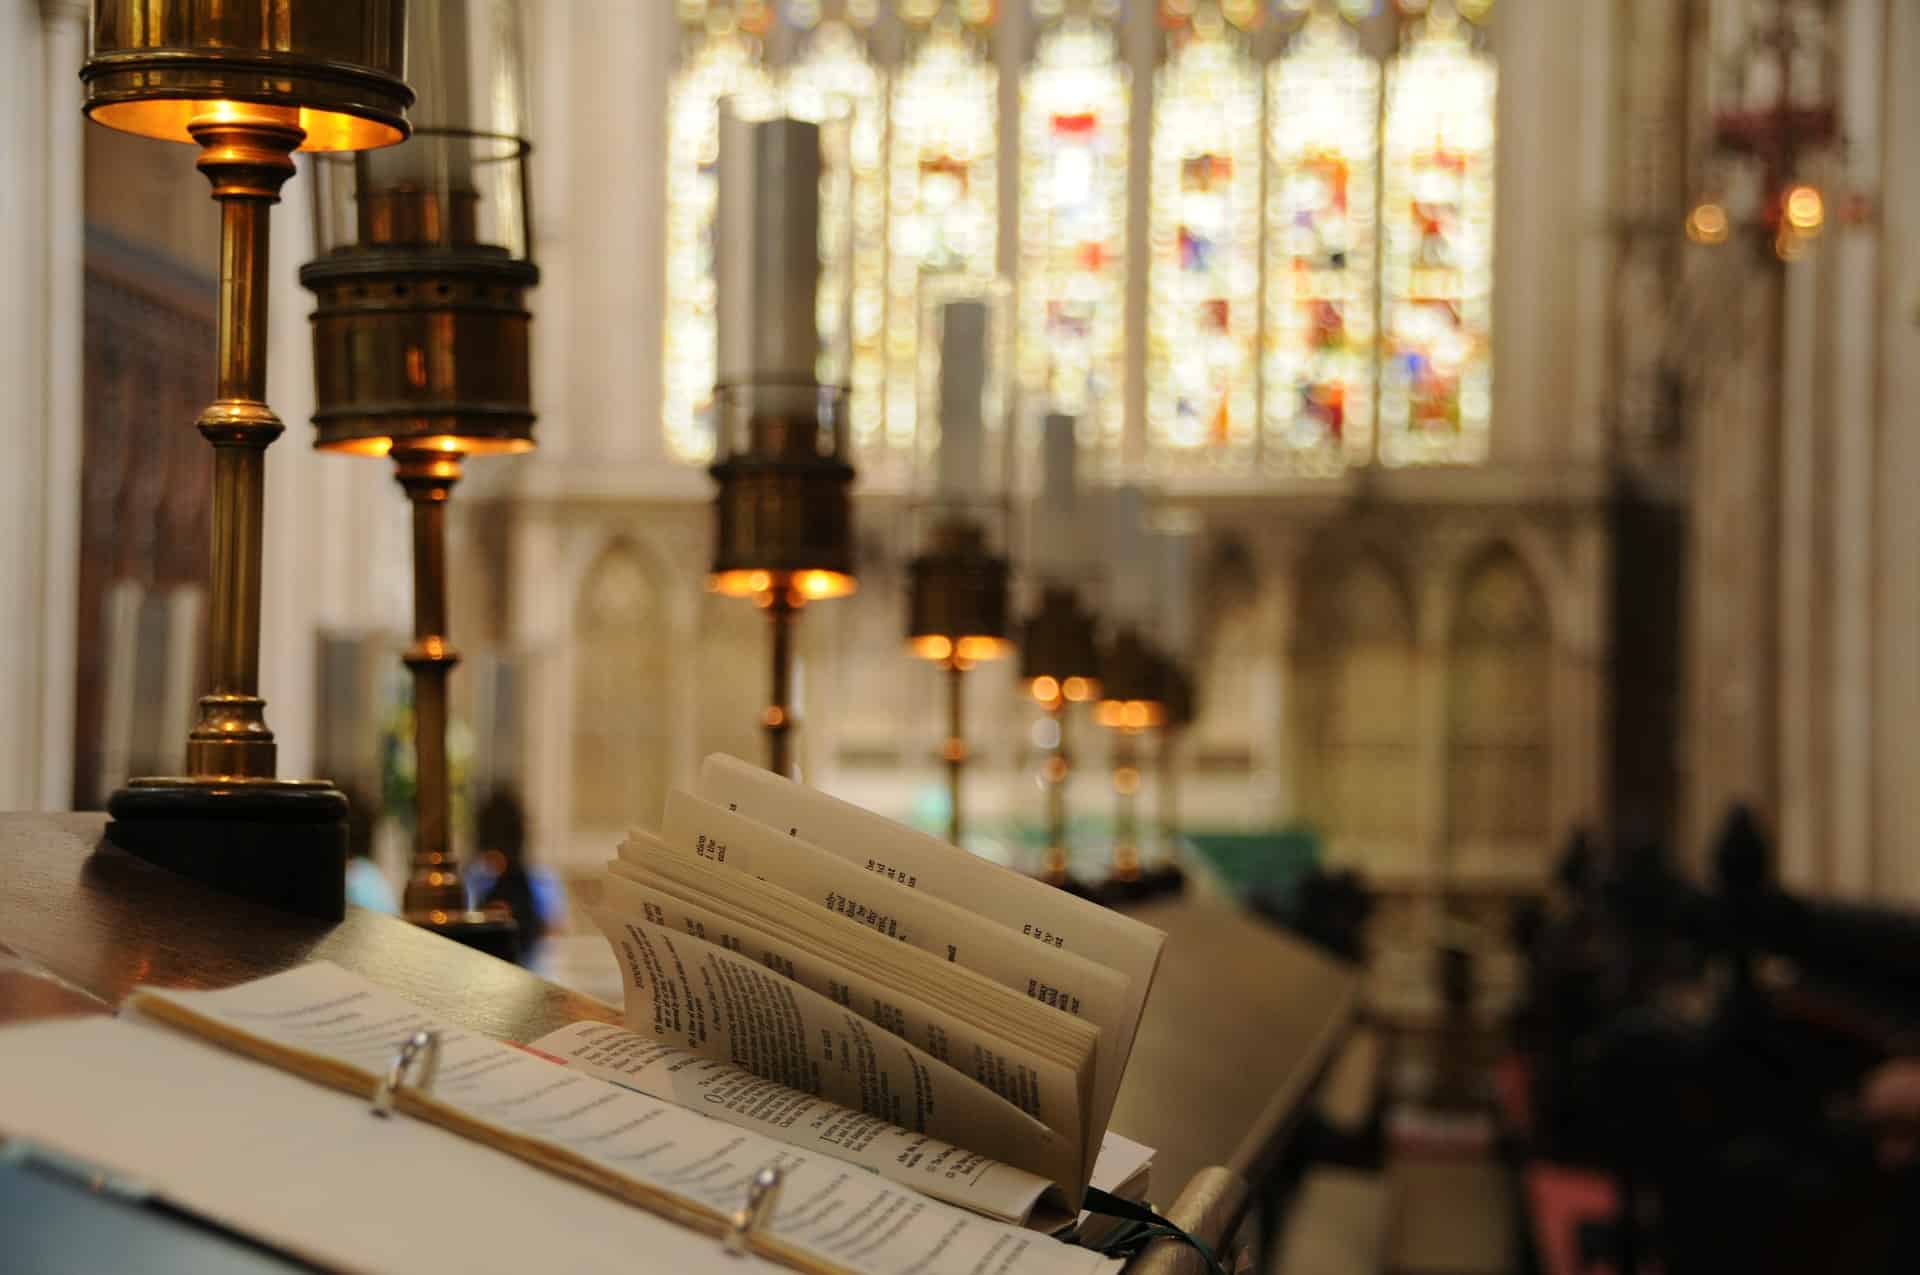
761	1195
423	1041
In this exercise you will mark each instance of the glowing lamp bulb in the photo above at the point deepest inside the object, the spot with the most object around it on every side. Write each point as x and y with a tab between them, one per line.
1806	211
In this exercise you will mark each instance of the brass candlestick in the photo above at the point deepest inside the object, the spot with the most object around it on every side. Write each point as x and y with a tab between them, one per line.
783	521
1132	702
257	82
957	617
1059	659
421	353
1165	875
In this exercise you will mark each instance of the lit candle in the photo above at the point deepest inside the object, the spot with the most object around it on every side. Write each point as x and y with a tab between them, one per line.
1131	555
1057	549
1173	590
963	375
767	249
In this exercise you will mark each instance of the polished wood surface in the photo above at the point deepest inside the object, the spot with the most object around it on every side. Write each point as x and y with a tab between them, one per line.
105	922
1242	1023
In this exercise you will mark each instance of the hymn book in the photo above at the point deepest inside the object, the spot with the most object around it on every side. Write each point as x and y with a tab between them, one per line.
846	957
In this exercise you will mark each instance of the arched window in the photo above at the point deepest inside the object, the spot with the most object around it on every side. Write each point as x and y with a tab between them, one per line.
1436	279
1500	718
1323	110
622	735
1356	696
1073	226
1203	313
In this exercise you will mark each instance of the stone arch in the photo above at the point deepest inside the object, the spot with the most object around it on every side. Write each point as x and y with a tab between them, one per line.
1356	705
622	730
1500	715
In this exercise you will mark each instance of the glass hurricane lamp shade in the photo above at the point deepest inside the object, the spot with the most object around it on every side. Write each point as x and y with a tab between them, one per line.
783	520
335	69
1059	652
958	582
1133	687
421	332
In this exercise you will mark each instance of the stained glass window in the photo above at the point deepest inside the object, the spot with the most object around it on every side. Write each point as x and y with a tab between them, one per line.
1203	318
834	73
1436	280
719	60
1073	221
943	191
1323	110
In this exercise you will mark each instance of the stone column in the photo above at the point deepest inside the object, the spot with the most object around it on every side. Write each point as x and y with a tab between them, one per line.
40	343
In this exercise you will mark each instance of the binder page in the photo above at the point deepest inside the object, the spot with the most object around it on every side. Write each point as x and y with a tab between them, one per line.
1051	975
305	1170
726	1005
1032	909
738	1097
830	1215
1048	1091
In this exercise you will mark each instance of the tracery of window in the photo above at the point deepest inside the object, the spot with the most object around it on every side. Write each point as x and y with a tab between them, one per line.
1203	318
944	189
718	59
1436	282
833	73
1323	110
1073	217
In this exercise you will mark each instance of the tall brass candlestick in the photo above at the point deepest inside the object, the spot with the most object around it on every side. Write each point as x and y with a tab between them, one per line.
434	894
249	82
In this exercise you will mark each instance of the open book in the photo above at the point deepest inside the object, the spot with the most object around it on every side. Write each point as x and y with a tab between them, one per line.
249	1107
836	955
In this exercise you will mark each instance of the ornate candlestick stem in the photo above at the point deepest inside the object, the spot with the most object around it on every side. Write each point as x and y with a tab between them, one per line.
1054	773
434	893
247	154
954	751
783	612
1126	789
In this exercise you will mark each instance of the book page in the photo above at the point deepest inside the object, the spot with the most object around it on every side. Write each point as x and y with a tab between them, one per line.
1049	1092
830	1216
738	1097
1032	909
1049	974
725	1005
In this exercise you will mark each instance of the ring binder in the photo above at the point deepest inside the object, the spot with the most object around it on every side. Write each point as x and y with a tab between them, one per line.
403	1058
761	1196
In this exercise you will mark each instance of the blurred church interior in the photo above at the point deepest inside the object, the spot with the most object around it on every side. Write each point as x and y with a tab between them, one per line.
1497	411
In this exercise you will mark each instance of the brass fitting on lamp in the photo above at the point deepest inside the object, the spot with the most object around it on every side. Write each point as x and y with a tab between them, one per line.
250	82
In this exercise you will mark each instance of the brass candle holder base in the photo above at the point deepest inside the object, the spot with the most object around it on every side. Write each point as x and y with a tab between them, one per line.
281	842
494	933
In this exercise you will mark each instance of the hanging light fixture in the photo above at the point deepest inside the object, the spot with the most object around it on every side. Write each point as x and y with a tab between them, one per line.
957	584
421	353
783	520
1775	129
249	82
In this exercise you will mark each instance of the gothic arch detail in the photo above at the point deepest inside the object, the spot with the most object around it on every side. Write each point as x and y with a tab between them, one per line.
1500	716
1355	675
622	736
